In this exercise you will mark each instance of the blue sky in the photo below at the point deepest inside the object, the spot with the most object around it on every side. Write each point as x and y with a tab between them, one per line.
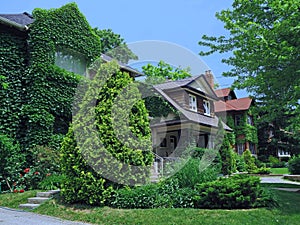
181	22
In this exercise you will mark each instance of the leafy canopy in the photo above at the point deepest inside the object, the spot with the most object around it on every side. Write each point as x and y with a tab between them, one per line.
163	72
114	45
264	38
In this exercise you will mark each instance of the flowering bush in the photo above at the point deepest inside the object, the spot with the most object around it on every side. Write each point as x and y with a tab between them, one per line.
12	161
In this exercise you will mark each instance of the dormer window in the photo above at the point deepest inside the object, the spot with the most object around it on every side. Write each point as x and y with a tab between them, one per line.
206	106
193	102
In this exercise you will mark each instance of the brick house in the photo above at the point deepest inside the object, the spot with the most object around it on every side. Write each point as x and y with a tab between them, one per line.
239	117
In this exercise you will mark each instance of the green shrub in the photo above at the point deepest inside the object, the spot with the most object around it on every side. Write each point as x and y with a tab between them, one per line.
294	165
12	163
143	197
276	163
190	174
121	143
239	191
52	182
82	183
45	160
249	161
240	163
184	198
166	194
261	170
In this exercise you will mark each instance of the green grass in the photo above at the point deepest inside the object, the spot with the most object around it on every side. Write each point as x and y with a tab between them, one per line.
279	171
13	200
287	213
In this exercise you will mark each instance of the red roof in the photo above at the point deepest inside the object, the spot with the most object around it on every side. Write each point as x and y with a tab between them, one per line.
222	92
233	105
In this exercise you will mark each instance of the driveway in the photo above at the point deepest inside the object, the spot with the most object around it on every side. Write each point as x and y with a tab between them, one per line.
18	217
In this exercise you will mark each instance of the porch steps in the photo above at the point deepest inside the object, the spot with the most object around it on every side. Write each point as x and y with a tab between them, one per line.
154	175
39	199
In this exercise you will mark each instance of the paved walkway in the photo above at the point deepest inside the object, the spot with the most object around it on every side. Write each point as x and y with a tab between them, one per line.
277	179
18	217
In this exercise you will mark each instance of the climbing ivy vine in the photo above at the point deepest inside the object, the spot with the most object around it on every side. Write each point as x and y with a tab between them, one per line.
39	94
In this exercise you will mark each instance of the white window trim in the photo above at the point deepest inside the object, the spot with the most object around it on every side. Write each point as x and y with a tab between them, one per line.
193	102
206	105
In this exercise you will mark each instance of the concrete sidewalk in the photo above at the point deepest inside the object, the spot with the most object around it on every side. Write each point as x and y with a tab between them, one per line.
18	217
277	179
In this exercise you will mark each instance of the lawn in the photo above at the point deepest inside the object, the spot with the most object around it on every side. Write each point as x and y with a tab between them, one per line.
287	213
279	171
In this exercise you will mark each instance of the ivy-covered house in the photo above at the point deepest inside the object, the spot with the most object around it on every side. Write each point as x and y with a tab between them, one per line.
239	116
194	118
43	57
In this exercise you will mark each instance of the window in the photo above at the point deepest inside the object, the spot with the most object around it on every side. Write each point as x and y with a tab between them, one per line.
193	103
163	142
283	153
250	120
237	120
71	61
206	105
252	148
240	148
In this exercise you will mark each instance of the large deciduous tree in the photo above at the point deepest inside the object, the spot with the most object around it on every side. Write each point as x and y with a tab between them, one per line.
114	45
264	39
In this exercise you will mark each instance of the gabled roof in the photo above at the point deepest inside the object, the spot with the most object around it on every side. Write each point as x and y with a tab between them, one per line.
198	81
189	115
240	104
124	66
19	21
222	92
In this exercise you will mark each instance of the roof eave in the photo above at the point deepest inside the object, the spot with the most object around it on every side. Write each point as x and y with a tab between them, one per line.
13	24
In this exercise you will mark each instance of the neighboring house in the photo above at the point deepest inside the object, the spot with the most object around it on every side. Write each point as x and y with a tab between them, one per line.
275	141
196	121
238	115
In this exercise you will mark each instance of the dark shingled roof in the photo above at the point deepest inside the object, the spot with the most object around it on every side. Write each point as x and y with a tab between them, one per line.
21	20
124	66
191	116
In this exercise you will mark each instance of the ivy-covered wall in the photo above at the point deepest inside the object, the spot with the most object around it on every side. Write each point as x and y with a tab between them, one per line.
13	58
37	105
247	131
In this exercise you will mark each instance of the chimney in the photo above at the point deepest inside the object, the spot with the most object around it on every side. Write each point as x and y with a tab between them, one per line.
210	78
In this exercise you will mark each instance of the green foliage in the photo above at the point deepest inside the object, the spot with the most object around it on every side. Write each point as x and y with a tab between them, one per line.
262	170
122	139
37	102
264	40
239	191
163	72
226	151
51	182
249	161
81	184
44	160
240	162
163	195
294	165
195	170
12	161
114	46
276	163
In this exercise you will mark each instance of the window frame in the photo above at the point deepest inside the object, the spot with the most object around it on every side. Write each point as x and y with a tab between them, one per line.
193	103
239	147
207	103
237	122
63	55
